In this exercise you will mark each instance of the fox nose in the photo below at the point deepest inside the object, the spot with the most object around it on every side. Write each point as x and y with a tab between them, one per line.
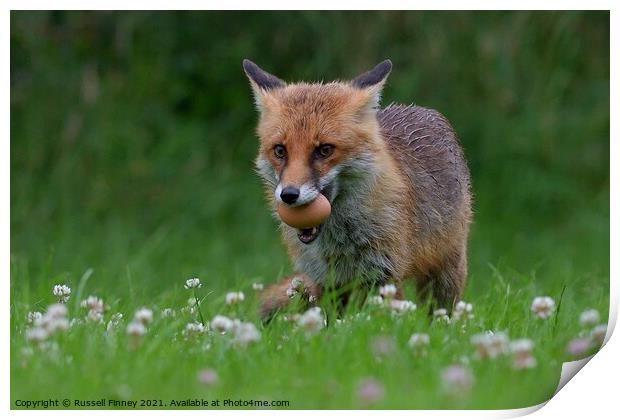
289	194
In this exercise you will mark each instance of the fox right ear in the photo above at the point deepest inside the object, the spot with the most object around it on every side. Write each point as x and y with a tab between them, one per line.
261	81
373	80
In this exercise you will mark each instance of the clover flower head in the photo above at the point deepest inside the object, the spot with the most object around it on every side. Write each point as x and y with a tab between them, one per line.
543	306
208	377
143	316
34	316
418	340
257	286
312	320
168	313
222	324
114	322
94	316
93	303
457	378
463	311
62	292
245	333
402	306
193	283
589	318
193	329
136	329
388	291
490	344
54	319
521	350
579	346
441	315
375	300
56	311
370	391
598	333
233	298
296	287
36	334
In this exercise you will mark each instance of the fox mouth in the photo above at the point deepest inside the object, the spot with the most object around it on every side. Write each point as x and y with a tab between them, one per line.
308	235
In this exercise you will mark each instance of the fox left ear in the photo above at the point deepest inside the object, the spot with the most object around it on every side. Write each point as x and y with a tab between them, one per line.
261	81
373	80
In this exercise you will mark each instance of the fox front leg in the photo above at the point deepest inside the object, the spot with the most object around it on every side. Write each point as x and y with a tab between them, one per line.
279	295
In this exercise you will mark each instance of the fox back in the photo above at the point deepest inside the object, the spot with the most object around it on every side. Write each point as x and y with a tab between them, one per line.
396	178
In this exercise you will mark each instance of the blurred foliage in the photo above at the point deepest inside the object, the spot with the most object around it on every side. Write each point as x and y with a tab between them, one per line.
132	134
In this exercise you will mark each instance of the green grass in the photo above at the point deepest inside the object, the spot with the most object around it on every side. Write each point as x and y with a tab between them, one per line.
127	192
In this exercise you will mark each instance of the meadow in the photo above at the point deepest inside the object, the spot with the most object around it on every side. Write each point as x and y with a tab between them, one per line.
132	140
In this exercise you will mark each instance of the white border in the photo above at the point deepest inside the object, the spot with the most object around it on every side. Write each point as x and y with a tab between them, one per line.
593	394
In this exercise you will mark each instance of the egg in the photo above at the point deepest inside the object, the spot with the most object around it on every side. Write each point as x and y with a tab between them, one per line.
308	215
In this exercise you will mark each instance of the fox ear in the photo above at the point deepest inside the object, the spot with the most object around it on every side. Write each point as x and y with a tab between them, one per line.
261	81
373	80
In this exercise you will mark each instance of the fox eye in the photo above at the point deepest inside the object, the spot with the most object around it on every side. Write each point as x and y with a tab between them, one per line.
279	151
325	150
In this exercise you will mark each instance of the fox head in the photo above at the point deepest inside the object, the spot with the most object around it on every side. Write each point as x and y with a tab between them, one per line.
313	136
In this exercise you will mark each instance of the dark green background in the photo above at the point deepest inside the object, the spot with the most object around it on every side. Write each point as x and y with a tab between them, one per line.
132	139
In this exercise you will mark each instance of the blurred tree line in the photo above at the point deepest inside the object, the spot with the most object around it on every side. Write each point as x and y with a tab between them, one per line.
147	116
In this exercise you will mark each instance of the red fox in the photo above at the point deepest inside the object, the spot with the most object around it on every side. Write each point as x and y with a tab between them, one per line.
396	179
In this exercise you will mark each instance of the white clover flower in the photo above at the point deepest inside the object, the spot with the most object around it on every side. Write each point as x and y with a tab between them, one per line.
579	346
136	329
375	300
589	318
54	319
94	316
388	291
457	378
312	299
56	311
93	303
543	306
222	324
143	315
402	305
233	298
441	315
312	320
297	286
36	334
193	329
257	286
193	284
490	345
370	391
62	292
34	317
418	340
522	354
168	313
245	333
598	333
114	322
208	377
463	311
